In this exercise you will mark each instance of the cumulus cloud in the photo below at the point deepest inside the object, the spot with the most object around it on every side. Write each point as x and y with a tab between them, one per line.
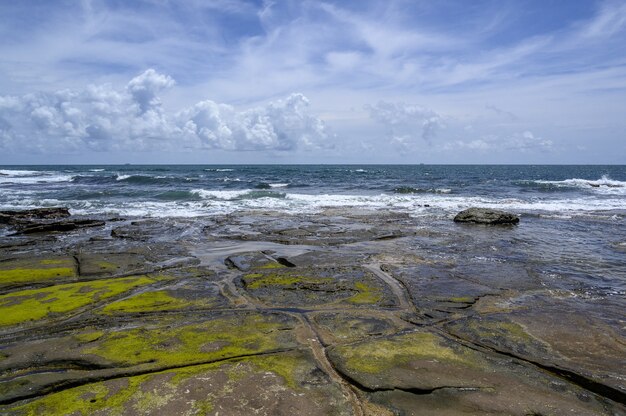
519	141
405	123
102	118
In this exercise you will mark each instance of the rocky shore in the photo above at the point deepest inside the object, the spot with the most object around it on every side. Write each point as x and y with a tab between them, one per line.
343	312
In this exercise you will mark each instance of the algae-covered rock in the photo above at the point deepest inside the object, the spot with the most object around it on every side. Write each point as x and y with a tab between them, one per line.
60	301
568	337
158	344
187	295
22	271
422	372
277	384
339	327
308	286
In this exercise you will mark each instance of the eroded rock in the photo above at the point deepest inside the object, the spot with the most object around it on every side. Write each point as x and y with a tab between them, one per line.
486	216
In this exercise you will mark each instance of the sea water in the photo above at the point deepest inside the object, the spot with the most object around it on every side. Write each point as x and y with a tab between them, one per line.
421	190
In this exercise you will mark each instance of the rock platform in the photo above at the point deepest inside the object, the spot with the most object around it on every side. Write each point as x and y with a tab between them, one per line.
335	313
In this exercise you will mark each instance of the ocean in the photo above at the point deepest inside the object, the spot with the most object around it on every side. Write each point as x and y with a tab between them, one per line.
435	191
572	229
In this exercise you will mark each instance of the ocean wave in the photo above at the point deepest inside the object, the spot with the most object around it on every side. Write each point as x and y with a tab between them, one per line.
604	185
96	170
12	172
237	195
411	190
264	185
200	202
30	180
144	179
219	170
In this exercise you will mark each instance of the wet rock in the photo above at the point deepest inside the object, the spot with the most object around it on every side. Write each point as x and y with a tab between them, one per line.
277	285
17	217
577	339
58	226
486	216
422	372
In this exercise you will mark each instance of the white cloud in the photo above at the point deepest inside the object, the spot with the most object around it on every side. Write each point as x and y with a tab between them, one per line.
519	141
611	19
103	118
405	123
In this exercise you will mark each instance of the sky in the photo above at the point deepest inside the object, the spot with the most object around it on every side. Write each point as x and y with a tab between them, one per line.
234	81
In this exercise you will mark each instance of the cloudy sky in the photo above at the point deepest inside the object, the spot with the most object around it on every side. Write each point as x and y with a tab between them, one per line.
234	81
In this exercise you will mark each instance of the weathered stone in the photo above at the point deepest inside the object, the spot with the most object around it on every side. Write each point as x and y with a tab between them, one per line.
486	216
21	216
59	226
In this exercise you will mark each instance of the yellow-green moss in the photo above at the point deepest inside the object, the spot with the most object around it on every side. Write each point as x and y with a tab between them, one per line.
212	340
85	400
271	265
54	261
131	395
461	299
90	336
283	365
35	304
366	294
158	300
25	271
488	329
258	280
379	355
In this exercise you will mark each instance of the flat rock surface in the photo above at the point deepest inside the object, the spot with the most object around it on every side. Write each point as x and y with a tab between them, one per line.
343	312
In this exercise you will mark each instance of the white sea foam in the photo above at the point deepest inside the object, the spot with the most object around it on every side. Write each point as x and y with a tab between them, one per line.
223	195
216	202
278	185
219	170
96	170
122	177
41	177
11	172
604	185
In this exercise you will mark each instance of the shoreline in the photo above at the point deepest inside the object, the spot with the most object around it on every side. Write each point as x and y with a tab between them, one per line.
342	312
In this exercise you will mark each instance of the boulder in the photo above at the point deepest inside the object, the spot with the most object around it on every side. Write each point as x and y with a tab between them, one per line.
486	216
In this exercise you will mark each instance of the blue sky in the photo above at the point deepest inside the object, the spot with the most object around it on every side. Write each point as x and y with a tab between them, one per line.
231	81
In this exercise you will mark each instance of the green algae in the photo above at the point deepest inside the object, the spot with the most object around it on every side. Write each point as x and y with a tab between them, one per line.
379	355
216	339
461	299
271	265
486	329
132	395
90	336
258	280
366	295
27	271
35	304
84	400
157	300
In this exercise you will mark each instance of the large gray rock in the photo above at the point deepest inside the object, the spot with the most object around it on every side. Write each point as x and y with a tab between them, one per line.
486	216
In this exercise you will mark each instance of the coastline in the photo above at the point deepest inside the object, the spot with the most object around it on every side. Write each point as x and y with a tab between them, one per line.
345	311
